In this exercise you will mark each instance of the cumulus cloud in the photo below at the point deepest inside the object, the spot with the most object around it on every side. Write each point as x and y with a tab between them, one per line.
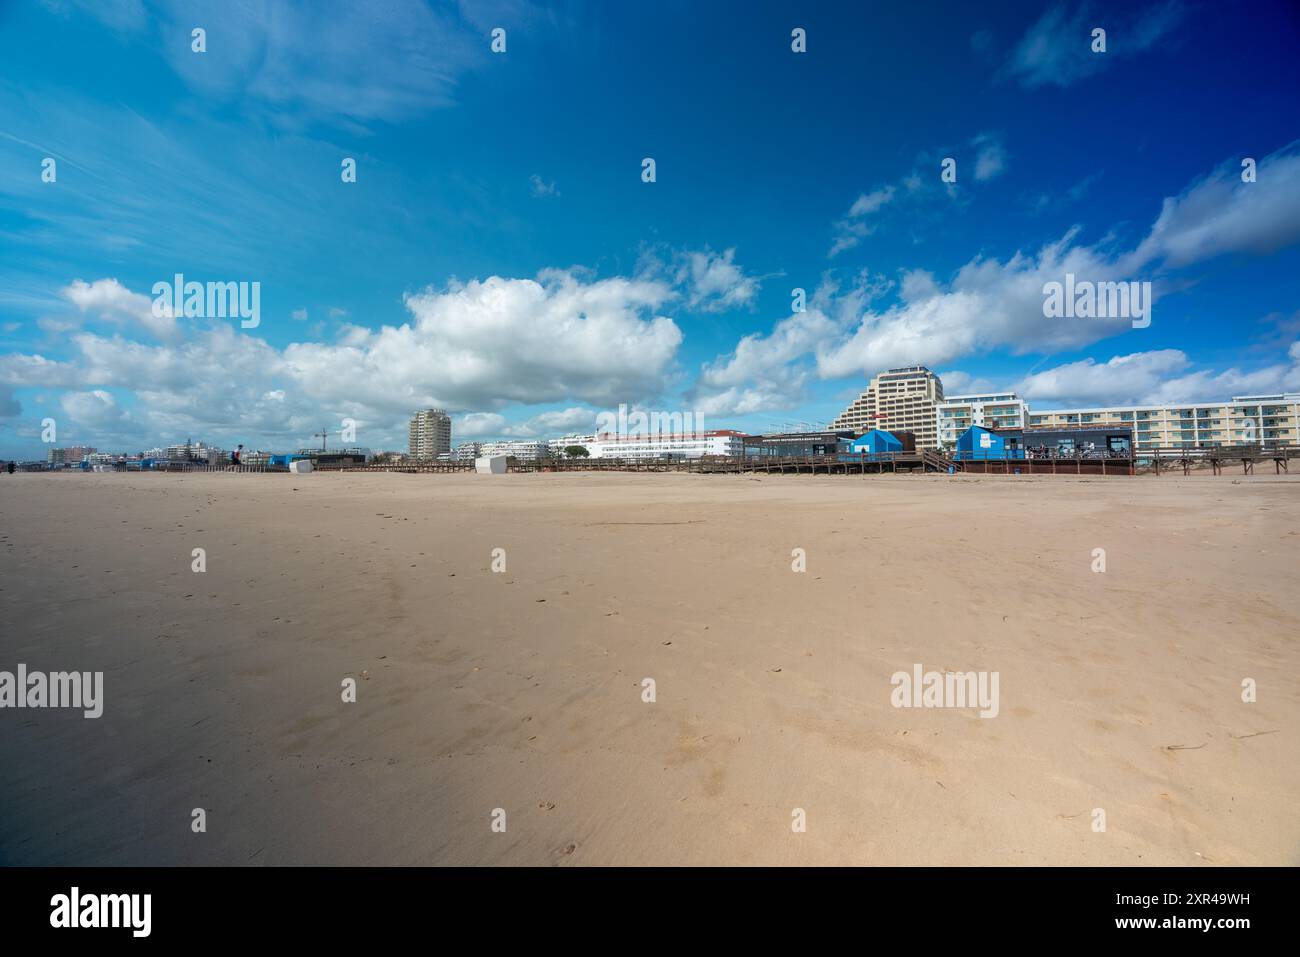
110	301
714	282
998	303
764	372
474	346
95	411
553	423
475	425
1154	378
988	303
1057	49
956	382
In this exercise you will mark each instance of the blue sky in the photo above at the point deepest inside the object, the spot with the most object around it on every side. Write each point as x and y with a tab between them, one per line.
500	256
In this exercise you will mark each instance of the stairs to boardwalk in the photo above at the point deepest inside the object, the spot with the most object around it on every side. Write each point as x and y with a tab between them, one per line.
937	461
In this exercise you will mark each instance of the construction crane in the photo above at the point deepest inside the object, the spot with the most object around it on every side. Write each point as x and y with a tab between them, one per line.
322	435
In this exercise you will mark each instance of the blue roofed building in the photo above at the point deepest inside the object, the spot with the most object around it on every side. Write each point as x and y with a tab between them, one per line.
877	440
979	443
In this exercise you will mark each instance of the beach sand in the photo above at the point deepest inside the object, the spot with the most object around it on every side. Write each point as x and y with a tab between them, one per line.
522	690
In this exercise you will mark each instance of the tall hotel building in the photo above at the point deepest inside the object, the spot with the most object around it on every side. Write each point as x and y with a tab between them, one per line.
430	434
1246	420
900	400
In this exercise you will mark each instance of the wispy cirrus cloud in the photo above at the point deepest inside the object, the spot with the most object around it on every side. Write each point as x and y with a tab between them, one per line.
329	61
1057	49
985	157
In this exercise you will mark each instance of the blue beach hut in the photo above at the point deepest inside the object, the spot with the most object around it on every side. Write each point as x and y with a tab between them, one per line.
877	440
978	443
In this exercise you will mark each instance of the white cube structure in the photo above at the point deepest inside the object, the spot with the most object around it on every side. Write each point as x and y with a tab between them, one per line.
490	465
299	466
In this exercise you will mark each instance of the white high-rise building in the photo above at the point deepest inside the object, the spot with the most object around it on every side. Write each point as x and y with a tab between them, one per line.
430	434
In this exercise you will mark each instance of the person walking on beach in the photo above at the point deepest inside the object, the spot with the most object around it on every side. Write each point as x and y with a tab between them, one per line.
234	457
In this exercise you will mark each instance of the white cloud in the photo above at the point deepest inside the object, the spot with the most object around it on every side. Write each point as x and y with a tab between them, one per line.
330	60
110	301
764	372
541	188
714	282
94	412
956	382
1153	378
475	425
855	226
473	346
1057	49
990	156
998	304
299	315
1221	214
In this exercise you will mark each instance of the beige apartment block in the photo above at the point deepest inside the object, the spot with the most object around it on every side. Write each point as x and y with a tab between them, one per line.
900	400
429	434
1246	420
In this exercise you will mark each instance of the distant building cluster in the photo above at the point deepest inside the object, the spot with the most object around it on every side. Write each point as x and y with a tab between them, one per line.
73	455
901	409
911	399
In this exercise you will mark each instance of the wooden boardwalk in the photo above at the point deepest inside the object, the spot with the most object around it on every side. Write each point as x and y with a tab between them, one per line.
1249	456
1152	461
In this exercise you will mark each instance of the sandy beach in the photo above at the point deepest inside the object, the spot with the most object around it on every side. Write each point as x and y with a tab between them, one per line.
522	690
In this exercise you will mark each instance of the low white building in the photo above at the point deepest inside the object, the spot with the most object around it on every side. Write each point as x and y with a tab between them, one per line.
521	449
685	445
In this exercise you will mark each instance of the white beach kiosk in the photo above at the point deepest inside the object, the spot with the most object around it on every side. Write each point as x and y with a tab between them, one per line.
490	465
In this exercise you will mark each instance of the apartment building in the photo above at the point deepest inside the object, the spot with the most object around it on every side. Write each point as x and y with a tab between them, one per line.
467	451
901	400
995	410
69	456
429	434
1246	420
522	449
